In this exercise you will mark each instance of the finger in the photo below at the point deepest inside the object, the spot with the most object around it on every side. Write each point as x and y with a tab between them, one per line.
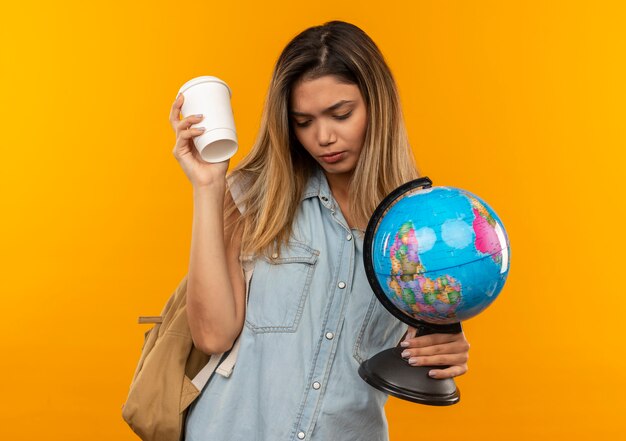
433	339
175	110
182	144
185	123
411	333
455	347
452	371
189	133
439	360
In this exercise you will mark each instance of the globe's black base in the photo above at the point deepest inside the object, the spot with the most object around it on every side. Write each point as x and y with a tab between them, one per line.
389	372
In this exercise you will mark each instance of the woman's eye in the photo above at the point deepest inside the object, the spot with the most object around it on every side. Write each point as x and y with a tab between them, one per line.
306	123
344	116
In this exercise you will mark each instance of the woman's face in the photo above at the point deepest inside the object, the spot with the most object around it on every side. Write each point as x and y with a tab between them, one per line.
329	119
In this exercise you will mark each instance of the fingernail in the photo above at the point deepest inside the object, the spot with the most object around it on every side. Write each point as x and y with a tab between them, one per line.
200	128
178	96
405	354
198	115
404	344
431	373
413	360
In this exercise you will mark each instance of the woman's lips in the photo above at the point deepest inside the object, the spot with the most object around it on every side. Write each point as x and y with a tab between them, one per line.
332	158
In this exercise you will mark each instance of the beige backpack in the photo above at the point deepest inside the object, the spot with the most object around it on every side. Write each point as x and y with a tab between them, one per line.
171	371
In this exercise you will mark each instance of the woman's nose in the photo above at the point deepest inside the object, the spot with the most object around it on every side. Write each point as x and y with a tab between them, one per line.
325	135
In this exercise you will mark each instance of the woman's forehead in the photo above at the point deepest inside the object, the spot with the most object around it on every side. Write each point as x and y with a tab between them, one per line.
320	94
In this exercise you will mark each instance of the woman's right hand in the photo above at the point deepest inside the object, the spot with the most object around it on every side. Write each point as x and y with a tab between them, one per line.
199	172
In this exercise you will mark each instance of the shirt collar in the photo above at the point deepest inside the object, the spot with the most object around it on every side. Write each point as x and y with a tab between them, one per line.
317	186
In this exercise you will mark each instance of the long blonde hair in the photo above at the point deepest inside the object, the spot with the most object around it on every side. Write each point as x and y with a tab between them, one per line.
273	175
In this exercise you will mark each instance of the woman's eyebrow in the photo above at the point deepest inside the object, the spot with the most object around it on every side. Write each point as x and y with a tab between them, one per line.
331	108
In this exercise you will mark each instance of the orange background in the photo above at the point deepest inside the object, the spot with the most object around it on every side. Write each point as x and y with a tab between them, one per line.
521	103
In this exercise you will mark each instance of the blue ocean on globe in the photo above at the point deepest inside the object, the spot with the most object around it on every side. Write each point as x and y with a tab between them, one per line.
440	254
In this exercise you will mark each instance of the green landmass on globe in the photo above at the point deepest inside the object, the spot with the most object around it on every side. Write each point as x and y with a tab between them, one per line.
436	298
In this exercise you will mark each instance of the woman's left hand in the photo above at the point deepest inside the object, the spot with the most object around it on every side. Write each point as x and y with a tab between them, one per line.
437	349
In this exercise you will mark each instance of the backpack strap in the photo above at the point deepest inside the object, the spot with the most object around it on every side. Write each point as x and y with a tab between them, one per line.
205	373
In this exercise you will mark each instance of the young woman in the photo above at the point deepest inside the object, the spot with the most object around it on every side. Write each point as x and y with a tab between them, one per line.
331	146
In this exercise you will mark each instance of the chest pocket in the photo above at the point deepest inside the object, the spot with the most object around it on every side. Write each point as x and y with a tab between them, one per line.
279	289
379	330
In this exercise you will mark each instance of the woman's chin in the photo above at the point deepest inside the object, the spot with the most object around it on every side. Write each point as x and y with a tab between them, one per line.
338	168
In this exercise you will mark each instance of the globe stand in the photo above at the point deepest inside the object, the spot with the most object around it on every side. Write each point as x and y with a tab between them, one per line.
387	371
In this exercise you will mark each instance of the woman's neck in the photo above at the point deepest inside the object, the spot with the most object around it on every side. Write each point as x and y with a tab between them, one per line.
340	188
339	185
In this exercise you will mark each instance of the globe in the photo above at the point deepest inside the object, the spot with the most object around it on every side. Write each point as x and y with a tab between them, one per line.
434	257
439	254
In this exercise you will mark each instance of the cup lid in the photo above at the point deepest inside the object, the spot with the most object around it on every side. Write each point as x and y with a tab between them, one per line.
203	79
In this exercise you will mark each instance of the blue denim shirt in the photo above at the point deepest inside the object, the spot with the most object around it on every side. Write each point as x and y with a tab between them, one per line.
311	319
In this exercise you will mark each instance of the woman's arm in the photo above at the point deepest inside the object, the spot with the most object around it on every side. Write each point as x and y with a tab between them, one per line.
215	282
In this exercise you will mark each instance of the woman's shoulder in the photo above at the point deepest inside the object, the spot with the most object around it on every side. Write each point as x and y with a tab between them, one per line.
237	182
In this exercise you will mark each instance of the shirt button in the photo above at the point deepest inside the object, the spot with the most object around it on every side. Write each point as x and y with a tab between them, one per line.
325	199
316	385
349	237
275	256
329	335
300	435
341	285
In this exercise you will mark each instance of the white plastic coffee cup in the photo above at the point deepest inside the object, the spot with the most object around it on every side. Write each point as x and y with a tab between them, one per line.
210	97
